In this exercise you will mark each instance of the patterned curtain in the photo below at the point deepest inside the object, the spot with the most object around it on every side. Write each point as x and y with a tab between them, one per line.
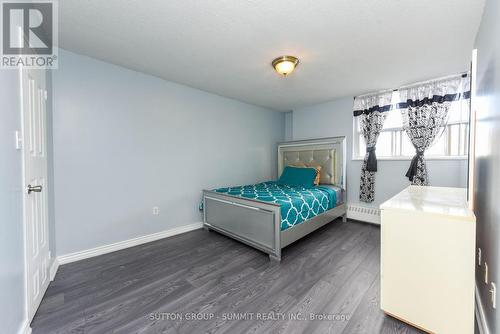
372	111
425	114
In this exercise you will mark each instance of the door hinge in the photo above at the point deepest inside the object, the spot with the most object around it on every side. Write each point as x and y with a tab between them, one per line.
19	140
493	292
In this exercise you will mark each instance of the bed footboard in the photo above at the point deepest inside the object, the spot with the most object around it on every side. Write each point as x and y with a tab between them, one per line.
252	222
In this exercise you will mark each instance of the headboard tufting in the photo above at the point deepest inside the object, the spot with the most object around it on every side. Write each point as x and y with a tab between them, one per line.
329	153
313	158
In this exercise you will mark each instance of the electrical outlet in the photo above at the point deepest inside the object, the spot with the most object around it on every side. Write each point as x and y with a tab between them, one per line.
479	256
156	211
485	273
493	295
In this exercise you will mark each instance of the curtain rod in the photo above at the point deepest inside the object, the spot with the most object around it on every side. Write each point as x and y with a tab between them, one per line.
463	75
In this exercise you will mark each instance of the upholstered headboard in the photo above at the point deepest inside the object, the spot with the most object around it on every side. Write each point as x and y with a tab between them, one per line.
329	153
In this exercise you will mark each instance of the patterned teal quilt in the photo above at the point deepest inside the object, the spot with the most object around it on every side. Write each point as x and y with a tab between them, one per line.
298	204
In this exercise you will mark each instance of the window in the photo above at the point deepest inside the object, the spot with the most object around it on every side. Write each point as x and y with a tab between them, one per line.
393	142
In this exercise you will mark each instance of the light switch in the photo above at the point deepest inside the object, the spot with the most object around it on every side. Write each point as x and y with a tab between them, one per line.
19	140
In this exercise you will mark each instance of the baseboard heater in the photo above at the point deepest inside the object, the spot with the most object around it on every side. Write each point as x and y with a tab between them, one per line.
363	213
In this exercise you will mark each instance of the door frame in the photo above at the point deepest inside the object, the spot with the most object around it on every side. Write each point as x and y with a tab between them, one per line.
472	132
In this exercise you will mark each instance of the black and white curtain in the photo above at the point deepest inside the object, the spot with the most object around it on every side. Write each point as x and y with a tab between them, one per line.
371	112
424	108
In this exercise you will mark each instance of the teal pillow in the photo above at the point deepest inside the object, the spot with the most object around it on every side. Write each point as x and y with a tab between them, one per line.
297	176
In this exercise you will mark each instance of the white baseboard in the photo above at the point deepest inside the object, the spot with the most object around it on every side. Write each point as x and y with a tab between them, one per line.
480	316
25	327
72	257
53	269
363	213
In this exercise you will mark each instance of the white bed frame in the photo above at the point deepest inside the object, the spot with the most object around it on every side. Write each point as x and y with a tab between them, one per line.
258	223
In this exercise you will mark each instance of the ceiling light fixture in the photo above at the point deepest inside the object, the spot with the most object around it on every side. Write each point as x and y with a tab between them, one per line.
285	65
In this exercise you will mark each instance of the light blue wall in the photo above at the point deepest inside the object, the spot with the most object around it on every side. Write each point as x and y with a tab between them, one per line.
335	119
487	162
289	125
125	142
11	221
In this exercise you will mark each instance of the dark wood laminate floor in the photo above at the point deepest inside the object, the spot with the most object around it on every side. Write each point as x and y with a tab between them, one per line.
154	288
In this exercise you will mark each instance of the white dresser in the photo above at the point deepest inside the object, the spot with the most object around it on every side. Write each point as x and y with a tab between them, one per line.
428	259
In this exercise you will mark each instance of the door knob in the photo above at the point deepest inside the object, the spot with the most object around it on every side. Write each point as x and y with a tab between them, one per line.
36	189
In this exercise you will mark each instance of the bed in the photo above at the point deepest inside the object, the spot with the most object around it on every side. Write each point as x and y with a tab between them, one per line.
270	216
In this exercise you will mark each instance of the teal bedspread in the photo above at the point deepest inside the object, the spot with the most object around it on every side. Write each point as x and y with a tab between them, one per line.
298	204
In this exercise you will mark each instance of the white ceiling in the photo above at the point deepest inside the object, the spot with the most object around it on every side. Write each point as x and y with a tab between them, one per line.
346	47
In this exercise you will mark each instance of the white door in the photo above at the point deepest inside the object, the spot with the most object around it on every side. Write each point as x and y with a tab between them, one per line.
37	256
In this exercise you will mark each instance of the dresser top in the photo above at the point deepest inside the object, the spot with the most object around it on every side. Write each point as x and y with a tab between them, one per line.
436	200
